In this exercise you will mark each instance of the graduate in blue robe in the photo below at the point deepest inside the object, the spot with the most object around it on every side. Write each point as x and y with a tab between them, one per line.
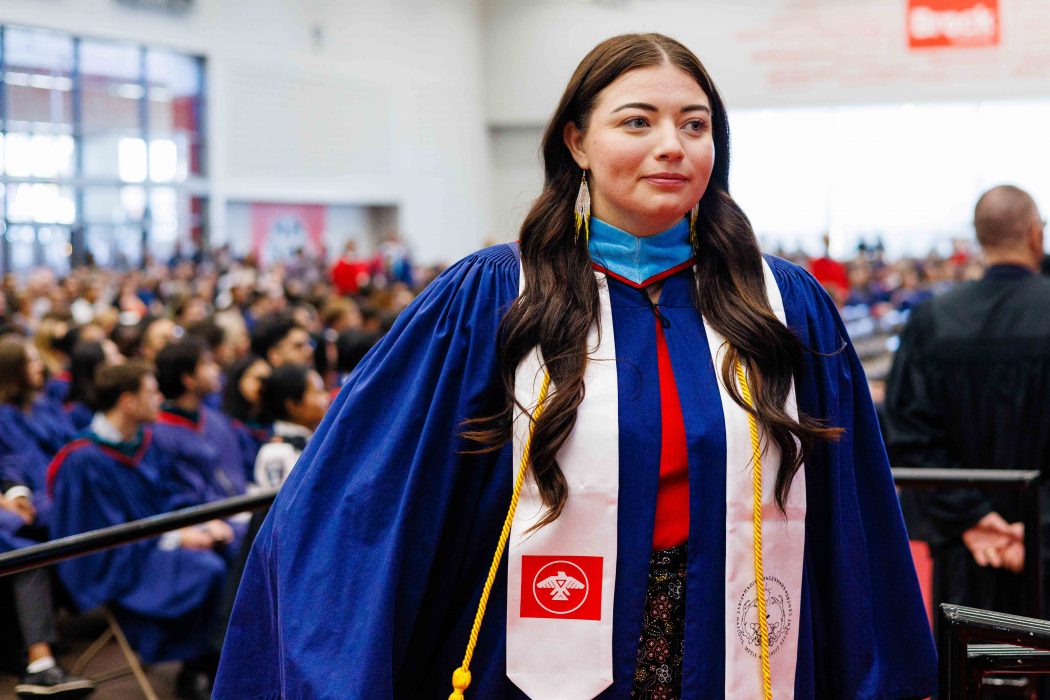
208	454
209	460
401	525
365	578
165	592
164	598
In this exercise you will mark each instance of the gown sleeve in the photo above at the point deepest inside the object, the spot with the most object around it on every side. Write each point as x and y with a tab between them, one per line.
869	636
362	564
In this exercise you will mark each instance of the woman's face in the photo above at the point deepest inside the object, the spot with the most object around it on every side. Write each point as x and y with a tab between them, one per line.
250	384
648	149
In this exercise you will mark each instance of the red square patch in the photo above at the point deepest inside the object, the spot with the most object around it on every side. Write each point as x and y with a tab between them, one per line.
561	587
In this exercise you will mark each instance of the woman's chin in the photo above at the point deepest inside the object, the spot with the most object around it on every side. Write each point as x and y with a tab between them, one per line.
663	218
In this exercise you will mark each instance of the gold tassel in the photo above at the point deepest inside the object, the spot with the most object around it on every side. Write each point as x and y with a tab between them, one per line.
460	683
461	676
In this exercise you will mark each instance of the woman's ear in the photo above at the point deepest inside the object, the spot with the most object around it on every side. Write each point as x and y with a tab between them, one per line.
573	138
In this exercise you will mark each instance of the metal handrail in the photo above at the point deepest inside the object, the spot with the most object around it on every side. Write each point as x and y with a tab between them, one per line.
1018	479
36	556
1006	659
962	664
1022	481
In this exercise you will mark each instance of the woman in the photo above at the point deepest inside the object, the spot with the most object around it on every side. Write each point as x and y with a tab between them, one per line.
634	568
242	401
33	427
295	397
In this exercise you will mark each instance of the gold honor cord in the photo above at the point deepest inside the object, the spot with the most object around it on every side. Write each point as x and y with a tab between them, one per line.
760	580
461	676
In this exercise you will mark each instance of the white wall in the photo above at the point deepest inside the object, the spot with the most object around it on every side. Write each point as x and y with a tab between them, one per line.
761	53
328	101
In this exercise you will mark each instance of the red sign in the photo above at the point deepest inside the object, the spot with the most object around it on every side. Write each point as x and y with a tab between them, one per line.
561	587
941	23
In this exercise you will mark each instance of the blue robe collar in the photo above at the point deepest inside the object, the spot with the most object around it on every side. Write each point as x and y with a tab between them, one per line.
640	260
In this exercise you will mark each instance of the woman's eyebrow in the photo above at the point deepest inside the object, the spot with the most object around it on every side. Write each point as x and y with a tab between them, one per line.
645	106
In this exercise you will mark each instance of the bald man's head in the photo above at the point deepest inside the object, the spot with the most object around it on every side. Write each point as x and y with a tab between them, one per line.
1004	218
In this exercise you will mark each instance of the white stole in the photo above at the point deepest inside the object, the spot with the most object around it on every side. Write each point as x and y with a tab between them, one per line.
561	578
783	545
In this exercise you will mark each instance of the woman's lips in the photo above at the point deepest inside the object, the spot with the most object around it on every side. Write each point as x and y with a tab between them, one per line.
666	180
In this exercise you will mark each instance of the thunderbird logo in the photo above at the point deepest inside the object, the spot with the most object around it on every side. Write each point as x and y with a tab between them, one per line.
560	585
565	587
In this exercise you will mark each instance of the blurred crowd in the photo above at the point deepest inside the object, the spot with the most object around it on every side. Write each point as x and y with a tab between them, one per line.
207	376
216	297
871	284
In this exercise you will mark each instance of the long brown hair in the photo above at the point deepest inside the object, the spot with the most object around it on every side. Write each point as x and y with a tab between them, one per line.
559	303
14	371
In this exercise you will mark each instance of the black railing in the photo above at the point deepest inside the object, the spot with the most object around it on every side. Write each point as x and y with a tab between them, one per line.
64	548
1023	482
976	643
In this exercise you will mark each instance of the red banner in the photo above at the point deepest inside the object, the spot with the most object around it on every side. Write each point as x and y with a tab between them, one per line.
279	230
952	23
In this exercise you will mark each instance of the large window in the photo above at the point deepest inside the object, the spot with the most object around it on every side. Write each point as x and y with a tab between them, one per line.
101	152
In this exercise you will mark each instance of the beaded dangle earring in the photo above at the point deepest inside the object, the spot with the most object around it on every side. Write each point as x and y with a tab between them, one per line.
582	210
694	213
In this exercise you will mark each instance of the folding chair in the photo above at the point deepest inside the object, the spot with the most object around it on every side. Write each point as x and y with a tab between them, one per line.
135	667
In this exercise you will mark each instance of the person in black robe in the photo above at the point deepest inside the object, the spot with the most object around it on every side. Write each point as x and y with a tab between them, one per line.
969	389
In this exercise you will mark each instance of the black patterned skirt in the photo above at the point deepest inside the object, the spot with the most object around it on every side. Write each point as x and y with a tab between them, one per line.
658	668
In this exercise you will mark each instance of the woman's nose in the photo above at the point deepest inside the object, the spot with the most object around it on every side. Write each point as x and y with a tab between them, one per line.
669	146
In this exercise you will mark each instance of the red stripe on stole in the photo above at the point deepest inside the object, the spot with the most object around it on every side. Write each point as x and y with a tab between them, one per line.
672	498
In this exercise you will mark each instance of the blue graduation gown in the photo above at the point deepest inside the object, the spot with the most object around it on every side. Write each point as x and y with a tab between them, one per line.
208	457
11	525
166	600
79	415
28	443
400	525
57	388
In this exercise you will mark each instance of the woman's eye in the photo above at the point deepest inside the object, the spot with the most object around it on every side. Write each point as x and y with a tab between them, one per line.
697	125
636	123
